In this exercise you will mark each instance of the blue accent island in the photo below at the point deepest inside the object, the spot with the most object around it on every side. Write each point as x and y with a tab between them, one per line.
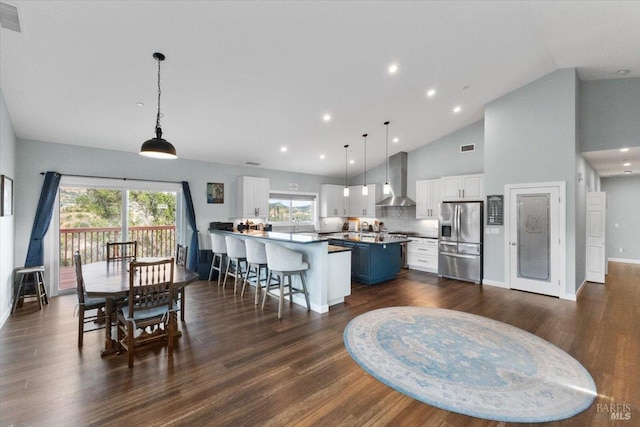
374	258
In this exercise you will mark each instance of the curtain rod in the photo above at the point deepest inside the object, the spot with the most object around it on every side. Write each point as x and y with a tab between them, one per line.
112	177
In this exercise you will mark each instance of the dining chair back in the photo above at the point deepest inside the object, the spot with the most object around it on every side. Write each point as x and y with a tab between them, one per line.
122	251
181	260
151	301
87	304
219	250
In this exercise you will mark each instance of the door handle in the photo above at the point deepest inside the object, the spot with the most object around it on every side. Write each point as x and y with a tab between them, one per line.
514	244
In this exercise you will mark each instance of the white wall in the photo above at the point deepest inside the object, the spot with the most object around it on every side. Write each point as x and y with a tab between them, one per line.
623	209
530	137
7	223
34	157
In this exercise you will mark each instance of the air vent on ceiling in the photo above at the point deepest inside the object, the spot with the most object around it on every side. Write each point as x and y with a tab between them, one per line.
253	164
467	148
9	17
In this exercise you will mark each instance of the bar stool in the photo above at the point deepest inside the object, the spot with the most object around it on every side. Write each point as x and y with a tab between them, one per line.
284	263
256	259
219	249
236	255
29	282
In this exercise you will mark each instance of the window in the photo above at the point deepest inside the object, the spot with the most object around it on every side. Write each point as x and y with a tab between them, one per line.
292	207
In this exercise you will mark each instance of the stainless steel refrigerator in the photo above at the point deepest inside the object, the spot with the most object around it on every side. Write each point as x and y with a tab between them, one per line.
460	241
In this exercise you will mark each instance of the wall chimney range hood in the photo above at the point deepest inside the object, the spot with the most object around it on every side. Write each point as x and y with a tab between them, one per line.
398	182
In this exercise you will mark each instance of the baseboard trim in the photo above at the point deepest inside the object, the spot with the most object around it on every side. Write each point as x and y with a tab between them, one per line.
495	283
625	260
569	297
5	316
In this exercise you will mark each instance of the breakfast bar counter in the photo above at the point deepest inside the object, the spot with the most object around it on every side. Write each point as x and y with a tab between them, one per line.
323	292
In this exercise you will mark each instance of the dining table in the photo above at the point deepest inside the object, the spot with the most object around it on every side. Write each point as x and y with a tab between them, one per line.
110	280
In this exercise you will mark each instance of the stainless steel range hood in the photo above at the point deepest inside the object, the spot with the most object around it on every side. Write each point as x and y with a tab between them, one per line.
398	182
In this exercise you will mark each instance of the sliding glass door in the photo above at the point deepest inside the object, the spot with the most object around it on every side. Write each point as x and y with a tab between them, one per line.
95	211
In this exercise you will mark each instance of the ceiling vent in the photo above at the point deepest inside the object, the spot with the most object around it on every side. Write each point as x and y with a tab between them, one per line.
252	164
467	148
9	17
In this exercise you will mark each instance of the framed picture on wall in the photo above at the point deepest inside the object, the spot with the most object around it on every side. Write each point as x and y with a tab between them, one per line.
215	192
6	196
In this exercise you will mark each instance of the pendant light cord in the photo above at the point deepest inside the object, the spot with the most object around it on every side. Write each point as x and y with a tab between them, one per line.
365	159
386	124
346	164
159	93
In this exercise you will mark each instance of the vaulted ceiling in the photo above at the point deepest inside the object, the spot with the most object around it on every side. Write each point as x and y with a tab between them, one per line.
244	79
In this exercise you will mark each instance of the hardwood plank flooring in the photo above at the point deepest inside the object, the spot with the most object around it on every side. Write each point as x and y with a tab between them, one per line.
236	364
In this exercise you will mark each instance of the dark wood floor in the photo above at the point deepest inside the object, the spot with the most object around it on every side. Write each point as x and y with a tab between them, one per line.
238	365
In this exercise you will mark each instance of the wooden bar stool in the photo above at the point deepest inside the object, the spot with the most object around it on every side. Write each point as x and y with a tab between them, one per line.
236	255
284	263
219	249
29	282
256	259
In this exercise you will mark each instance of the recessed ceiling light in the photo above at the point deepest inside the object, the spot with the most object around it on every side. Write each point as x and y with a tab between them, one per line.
457	109
140	104
322	156
626	164
624	150
396	140
283	149
431	93
326	117
352	161
393	68
627	172
622	72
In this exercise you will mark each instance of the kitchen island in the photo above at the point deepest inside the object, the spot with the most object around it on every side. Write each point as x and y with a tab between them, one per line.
375	258
315	250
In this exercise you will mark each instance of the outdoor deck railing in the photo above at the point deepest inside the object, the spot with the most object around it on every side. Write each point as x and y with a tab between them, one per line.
153	241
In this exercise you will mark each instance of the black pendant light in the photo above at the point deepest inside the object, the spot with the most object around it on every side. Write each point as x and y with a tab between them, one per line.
158	147
345	192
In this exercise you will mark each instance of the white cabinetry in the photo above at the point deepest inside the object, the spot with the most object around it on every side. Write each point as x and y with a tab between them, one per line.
428	197
363	206
422	254
332	201
463	187
253	197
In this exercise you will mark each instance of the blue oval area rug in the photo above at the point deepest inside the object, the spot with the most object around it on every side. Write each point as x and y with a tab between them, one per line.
469	364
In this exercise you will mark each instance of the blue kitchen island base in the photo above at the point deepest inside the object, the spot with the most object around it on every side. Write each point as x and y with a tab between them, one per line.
372	262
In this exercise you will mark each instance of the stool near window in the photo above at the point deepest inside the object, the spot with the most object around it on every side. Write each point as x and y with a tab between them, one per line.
284	263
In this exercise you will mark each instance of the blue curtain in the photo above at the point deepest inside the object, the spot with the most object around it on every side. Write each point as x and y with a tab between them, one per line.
194	252
35	253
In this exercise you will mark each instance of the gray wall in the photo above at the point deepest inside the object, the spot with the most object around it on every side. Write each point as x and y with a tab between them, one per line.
530	137
34	157
7	223
610	114
623	209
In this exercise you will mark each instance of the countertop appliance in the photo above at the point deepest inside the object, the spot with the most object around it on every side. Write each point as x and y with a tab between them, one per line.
217	225
460	241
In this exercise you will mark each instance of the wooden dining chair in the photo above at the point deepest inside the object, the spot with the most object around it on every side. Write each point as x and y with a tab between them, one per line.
126	251
86	304
181	260
150	303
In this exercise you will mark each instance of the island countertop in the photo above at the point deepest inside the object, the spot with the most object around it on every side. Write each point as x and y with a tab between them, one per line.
281	237
380	239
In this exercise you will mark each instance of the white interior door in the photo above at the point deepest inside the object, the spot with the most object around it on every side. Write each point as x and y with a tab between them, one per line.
534	239
596	256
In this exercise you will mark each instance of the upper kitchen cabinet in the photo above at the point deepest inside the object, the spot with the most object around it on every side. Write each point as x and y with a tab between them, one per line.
332	201
463	187
428	197
360	205
253	197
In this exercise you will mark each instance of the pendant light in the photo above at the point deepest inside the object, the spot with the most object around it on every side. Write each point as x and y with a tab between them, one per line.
386	189
158	147
345	192
365	189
